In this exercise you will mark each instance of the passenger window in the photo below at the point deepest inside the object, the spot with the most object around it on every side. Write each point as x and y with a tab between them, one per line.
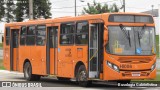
31	30
23	35
66	39
82	27
67	33
30	40
41	35
7	36
82	33
30	37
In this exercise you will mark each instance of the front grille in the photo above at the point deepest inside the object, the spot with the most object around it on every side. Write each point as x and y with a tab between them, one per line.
129	74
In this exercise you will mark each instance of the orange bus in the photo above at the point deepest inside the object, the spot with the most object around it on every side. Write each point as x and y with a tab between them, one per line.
108	47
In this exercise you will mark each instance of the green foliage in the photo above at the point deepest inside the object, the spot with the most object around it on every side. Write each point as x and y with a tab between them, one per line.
1	65
22	10
9	11
2	9
157	46
40	8
98	8
1	45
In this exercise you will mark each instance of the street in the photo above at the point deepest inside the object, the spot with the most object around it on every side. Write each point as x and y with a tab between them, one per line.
53	83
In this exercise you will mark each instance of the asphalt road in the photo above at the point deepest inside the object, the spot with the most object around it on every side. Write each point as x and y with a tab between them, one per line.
54	84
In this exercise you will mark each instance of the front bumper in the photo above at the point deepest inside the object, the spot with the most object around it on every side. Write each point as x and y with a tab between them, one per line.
110	74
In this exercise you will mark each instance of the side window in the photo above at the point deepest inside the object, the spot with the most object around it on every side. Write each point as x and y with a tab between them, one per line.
82	33
53	37
41	35
30	37
7	36
67	33
23	35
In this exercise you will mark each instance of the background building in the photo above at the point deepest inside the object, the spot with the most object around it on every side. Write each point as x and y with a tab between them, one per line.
155	14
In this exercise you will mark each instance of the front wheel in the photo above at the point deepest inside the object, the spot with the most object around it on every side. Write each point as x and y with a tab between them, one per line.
28	73
81	77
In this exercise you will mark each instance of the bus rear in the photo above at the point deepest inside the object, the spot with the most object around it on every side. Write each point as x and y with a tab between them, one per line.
129	51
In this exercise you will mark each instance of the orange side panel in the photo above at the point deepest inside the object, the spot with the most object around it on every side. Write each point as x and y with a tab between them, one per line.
52	61
6	59
15	62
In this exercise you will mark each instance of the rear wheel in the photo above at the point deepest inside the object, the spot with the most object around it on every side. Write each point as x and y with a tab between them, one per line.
28	73
81	76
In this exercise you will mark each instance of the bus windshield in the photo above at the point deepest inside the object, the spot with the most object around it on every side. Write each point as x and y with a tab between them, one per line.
124	40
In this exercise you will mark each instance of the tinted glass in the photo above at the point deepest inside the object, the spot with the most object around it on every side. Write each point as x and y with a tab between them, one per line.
31	30
8	31
81	39
30	40
41	30
67	28
143	19
40	40
130	18
82	27
121	18
66	39
23	31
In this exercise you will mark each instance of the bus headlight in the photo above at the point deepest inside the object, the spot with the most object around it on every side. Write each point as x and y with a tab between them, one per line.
109	64
153	66
113	66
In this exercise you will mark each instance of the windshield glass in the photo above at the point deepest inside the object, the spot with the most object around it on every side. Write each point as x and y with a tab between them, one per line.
124	40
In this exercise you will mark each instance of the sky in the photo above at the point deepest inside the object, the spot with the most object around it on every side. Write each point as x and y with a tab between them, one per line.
61	8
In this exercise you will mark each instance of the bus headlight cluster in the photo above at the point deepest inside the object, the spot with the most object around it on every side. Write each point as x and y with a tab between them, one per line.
153	66
113	66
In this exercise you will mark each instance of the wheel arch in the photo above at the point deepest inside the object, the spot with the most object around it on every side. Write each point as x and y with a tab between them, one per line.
25	61
78	64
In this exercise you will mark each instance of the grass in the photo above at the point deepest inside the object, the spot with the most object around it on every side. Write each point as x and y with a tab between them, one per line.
157	46
1	45
1	65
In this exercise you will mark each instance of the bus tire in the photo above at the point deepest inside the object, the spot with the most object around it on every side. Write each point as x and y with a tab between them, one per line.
81	77
28	72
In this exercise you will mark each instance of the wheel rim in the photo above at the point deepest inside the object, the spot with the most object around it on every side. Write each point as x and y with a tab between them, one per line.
82	76
27	71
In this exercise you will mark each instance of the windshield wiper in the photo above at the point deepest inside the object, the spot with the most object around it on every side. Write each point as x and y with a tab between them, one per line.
123	29
142	31
140	34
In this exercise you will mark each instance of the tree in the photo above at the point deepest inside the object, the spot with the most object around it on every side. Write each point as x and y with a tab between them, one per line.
9	11
2	9
22	10
40	8
97	8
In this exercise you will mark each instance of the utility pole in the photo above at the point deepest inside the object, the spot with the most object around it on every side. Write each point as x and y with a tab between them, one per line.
31	9
124	6
152	10
75	8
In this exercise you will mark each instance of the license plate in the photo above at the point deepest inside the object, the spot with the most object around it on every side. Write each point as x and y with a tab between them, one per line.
136	74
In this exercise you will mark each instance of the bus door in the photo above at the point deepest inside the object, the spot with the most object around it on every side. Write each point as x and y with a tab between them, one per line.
14	52
52	44
95	49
